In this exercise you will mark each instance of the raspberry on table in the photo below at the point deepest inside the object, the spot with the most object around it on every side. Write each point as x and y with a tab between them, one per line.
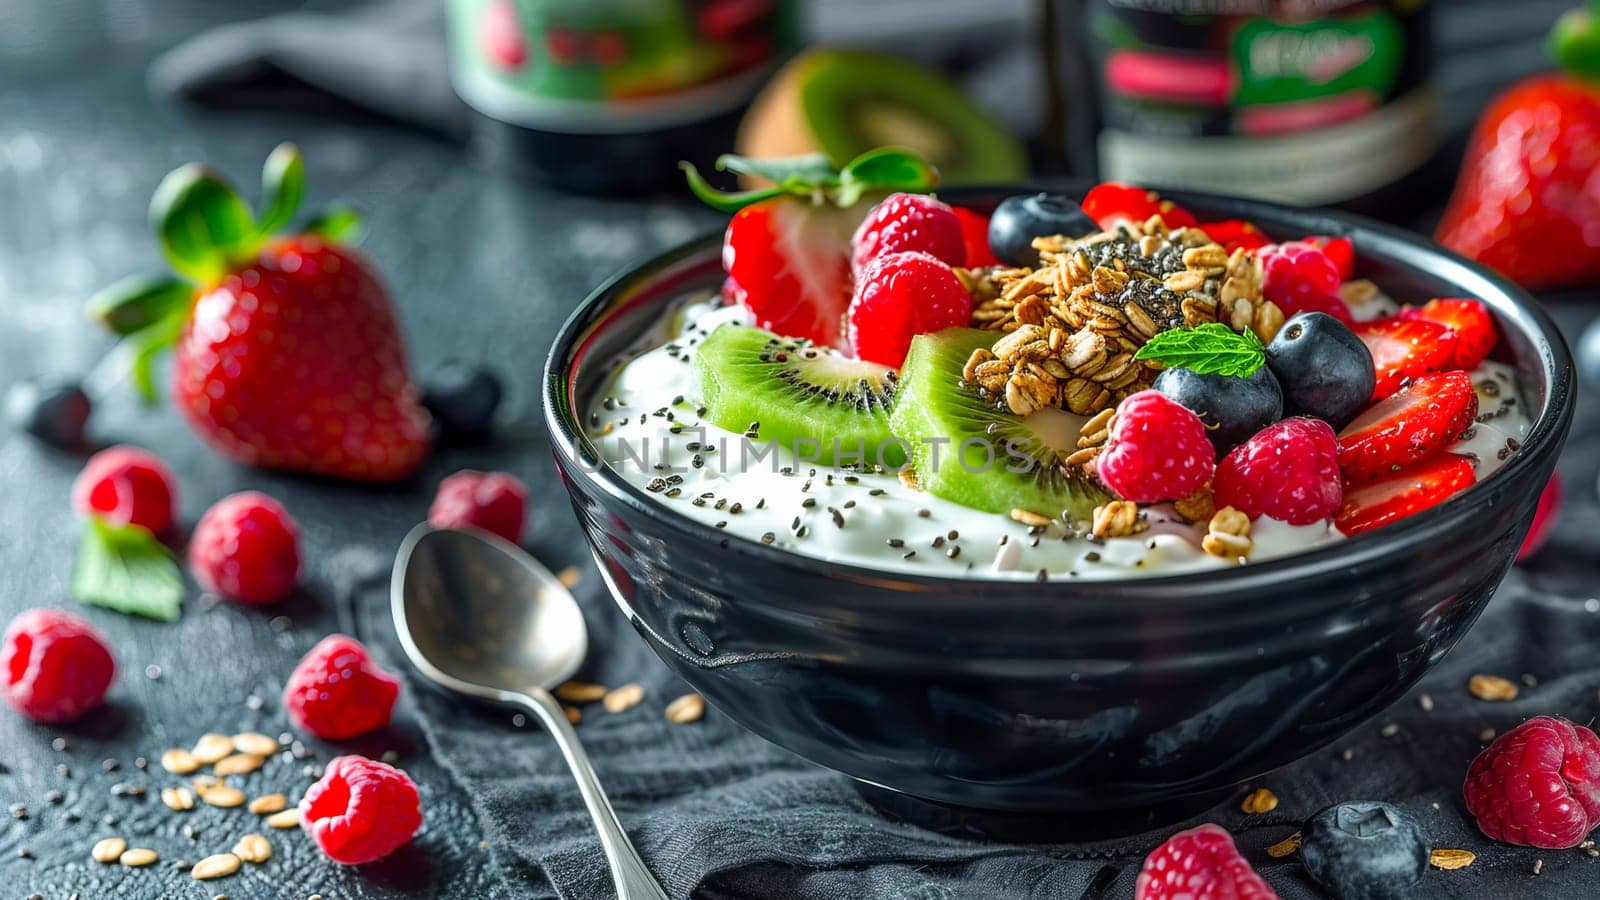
1200	863
127	485
1537	785
1289	471
495	502
1300	277
246	548
902	223
54	666
338	692
899	296
1157	450
362	810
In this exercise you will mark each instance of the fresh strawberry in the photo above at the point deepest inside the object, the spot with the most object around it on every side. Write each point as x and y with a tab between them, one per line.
1300	278
1341	250
287	351
1414	423
1410	490
1403	349
1110	203
1234	234
975	232
1468	319
1528	196
790	267
906	223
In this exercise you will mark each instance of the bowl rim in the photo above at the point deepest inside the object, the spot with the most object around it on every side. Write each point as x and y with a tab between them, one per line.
1399	246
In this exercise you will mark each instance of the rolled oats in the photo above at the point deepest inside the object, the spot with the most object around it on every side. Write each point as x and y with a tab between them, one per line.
237	764
686	709
1197	507
1228	535
108	850
1286	847
180	799
212	747
255	744
1451	859
289	818
624	698
1259	801
219	866
580	692
1492	688
253	848
1119	518
138	857
268	804
179	762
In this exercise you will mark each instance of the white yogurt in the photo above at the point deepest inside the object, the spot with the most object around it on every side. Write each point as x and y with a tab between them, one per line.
876	520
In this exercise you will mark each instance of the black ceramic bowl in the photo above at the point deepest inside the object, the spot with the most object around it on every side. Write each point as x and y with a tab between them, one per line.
1008	707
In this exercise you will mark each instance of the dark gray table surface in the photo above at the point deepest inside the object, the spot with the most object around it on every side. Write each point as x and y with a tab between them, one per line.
479	264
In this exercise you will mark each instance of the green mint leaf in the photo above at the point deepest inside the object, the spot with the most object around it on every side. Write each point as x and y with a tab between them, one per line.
1210	349
127	570
200	222
886	169
336	225
283	186
139	301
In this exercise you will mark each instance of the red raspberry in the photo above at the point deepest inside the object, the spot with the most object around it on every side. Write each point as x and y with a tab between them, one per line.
1158	450
495	502
246	548
361	810
55	666
1301	278
1341	250
1537	785
899	296
1200	864
906	222
338	692
126	486
1288	471
975	231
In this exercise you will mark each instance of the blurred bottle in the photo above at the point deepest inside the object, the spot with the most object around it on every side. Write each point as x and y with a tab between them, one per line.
605	96
1300	101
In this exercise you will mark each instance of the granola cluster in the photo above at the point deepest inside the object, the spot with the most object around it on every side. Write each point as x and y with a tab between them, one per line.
1072	325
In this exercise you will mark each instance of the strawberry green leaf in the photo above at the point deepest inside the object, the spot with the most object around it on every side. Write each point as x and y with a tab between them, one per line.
1210	349
147	345
809	170
126	569
725	201
887	170
336	225
1575	42
283	186
139	301
813	178
200	221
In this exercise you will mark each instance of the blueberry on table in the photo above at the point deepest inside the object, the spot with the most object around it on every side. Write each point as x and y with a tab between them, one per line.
1233	409
1363	850
463	399
1325	370
54	411
1018	220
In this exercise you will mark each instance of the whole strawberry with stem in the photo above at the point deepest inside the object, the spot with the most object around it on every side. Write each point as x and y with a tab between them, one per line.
287	353
1527	202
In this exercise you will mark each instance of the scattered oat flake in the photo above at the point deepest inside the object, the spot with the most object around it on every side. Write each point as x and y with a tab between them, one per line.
624	698
212	747
224	796
1538	866
267	804
179	762
237	764
138	857
180	799
1486	735
1426	702
574	714
1451	859
1259	801
580	692
289	818
686	709
253	848
255	743
108	850
1389	730
570	576
219	866
1492	688
1285	847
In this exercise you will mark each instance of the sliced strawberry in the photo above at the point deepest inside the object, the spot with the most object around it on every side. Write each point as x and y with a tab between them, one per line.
1416	422
1341	250
975	231
1410	490
1403	349
1110	203
788	263
1236	233
1469	319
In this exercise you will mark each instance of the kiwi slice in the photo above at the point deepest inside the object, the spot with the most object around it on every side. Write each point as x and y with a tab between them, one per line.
967	449
846	102
793	392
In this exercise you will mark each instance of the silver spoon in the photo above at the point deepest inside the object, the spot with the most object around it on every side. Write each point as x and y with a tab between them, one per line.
479	617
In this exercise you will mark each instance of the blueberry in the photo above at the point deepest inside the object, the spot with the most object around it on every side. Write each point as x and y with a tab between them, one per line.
1325	370
1018	220
463	399
1363	850
1233	409
52	410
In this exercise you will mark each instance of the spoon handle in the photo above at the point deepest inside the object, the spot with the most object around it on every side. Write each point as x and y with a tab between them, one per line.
628	872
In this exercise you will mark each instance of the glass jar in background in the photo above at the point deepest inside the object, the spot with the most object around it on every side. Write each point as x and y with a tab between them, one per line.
605	96
1302	101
